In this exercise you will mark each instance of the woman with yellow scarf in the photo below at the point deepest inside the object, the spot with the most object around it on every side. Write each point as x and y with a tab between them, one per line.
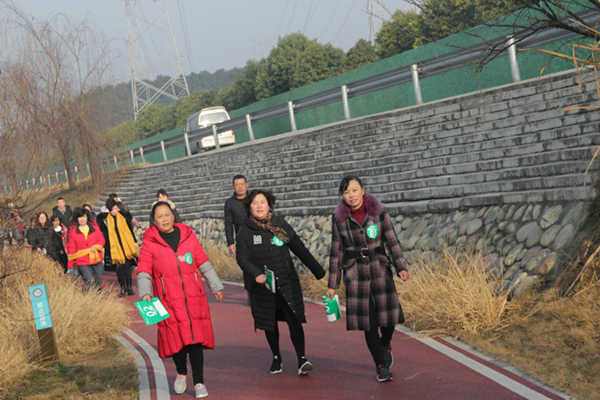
84	248
120	239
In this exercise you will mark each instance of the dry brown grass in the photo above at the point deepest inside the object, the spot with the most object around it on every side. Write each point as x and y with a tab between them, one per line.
82	320
108	372
452	295
223	262
553	338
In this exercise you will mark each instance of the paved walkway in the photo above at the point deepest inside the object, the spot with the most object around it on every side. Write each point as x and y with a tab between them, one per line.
238	368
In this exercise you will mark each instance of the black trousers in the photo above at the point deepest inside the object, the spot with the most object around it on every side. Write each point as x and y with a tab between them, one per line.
124	270
196	359
375	343
296	330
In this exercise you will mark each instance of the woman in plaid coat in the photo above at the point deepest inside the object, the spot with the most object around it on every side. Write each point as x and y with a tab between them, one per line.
361	230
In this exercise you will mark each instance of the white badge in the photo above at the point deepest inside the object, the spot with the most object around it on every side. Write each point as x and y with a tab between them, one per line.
257	239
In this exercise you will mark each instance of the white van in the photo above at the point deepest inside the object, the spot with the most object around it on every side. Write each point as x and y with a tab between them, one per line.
204	118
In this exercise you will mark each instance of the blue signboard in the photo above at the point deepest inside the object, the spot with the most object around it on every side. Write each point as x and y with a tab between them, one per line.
41	307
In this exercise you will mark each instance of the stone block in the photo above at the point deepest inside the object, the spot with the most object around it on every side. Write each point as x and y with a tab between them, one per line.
530	254
525	230
534	236
512	256
565	234
525	284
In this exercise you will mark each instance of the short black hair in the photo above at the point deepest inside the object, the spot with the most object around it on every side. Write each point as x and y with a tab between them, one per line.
161	191
52	218
346	181
112	195
250	198
86	205
78	213
238	177
110	203
155	206
60	198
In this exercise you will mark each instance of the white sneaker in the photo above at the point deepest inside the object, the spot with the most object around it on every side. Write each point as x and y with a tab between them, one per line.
180	384
305	368
201	391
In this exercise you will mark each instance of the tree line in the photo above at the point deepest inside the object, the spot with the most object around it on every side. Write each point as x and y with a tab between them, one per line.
297	61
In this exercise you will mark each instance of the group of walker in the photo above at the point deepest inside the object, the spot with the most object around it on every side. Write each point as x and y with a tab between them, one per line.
172	261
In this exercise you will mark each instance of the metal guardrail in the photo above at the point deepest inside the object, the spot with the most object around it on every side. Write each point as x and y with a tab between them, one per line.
444	63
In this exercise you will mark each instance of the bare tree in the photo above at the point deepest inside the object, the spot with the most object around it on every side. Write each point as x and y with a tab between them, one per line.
71	62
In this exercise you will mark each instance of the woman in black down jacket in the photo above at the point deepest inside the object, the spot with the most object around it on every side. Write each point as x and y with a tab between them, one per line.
264	241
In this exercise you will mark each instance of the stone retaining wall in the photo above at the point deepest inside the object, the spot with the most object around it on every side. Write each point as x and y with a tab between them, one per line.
522	242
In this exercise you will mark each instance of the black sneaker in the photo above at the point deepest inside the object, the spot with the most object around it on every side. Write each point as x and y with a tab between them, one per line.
276	365
383	374
304	366
388	358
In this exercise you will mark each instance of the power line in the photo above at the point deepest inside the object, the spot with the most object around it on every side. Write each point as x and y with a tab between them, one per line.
308	16
292	16
287	3
337	6
186	35
344	22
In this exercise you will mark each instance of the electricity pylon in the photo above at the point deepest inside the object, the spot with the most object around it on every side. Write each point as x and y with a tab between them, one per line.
145	61
373	9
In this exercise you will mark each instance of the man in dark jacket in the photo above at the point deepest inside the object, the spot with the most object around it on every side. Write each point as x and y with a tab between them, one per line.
235	216
62	211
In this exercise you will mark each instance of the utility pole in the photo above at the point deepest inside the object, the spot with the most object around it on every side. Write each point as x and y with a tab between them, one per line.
152	52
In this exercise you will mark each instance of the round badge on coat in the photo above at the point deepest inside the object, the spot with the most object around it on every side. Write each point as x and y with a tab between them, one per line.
188	258
372	231
277	242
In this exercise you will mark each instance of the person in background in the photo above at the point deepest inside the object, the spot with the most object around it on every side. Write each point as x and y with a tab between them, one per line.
85	247
121	240
29	231
264	242
62	211
41	232
361	228
57	245
18	233
162	195
89	208
170	266
235	215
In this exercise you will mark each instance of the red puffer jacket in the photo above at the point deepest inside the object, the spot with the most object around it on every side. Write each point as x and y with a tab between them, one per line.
77	242
176	282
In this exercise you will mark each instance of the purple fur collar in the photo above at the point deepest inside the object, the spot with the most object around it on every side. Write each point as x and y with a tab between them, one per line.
372	205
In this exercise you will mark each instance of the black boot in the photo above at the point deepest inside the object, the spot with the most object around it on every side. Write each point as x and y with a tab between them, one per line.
123	288
129	288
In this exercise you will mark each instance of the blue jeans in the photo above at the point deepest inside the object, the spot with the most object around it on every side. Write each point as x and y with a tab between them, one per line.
92	274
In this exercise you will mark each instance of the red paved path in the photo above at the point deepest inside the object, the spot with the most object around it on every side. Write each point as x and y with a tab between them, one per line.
238	368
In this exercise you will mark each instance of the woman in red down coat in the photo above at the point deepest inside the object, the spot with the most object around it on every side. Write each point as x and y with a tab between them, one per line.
169	268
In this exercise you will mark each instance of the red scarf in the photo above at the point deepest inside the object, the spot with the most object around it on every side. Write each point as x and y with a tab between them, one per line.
359	213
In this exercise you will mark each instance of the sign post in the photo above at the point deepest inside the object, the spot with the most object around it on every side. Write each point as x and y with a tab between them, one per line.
43	322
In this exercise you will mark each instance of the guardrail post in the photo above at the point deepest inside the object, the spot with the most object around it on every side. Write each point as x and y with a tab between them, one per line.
514	63
416	84
87	166
345	102
57	180
162	146
116	163
132	158
188	151
216	136
76	173
249	125
41	180
48	179
292	117
142	154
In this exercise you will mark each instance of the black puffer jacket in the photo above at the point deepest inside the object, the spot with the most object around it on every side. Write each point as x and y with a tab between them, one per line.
255	250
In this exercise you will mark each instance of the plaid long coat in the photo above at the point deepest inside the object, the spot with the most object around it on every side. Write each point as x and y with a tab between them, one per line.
371	276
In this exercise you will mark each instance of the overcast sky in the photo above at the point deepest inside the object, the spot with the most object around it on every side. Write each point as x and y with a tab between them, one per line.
223	33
